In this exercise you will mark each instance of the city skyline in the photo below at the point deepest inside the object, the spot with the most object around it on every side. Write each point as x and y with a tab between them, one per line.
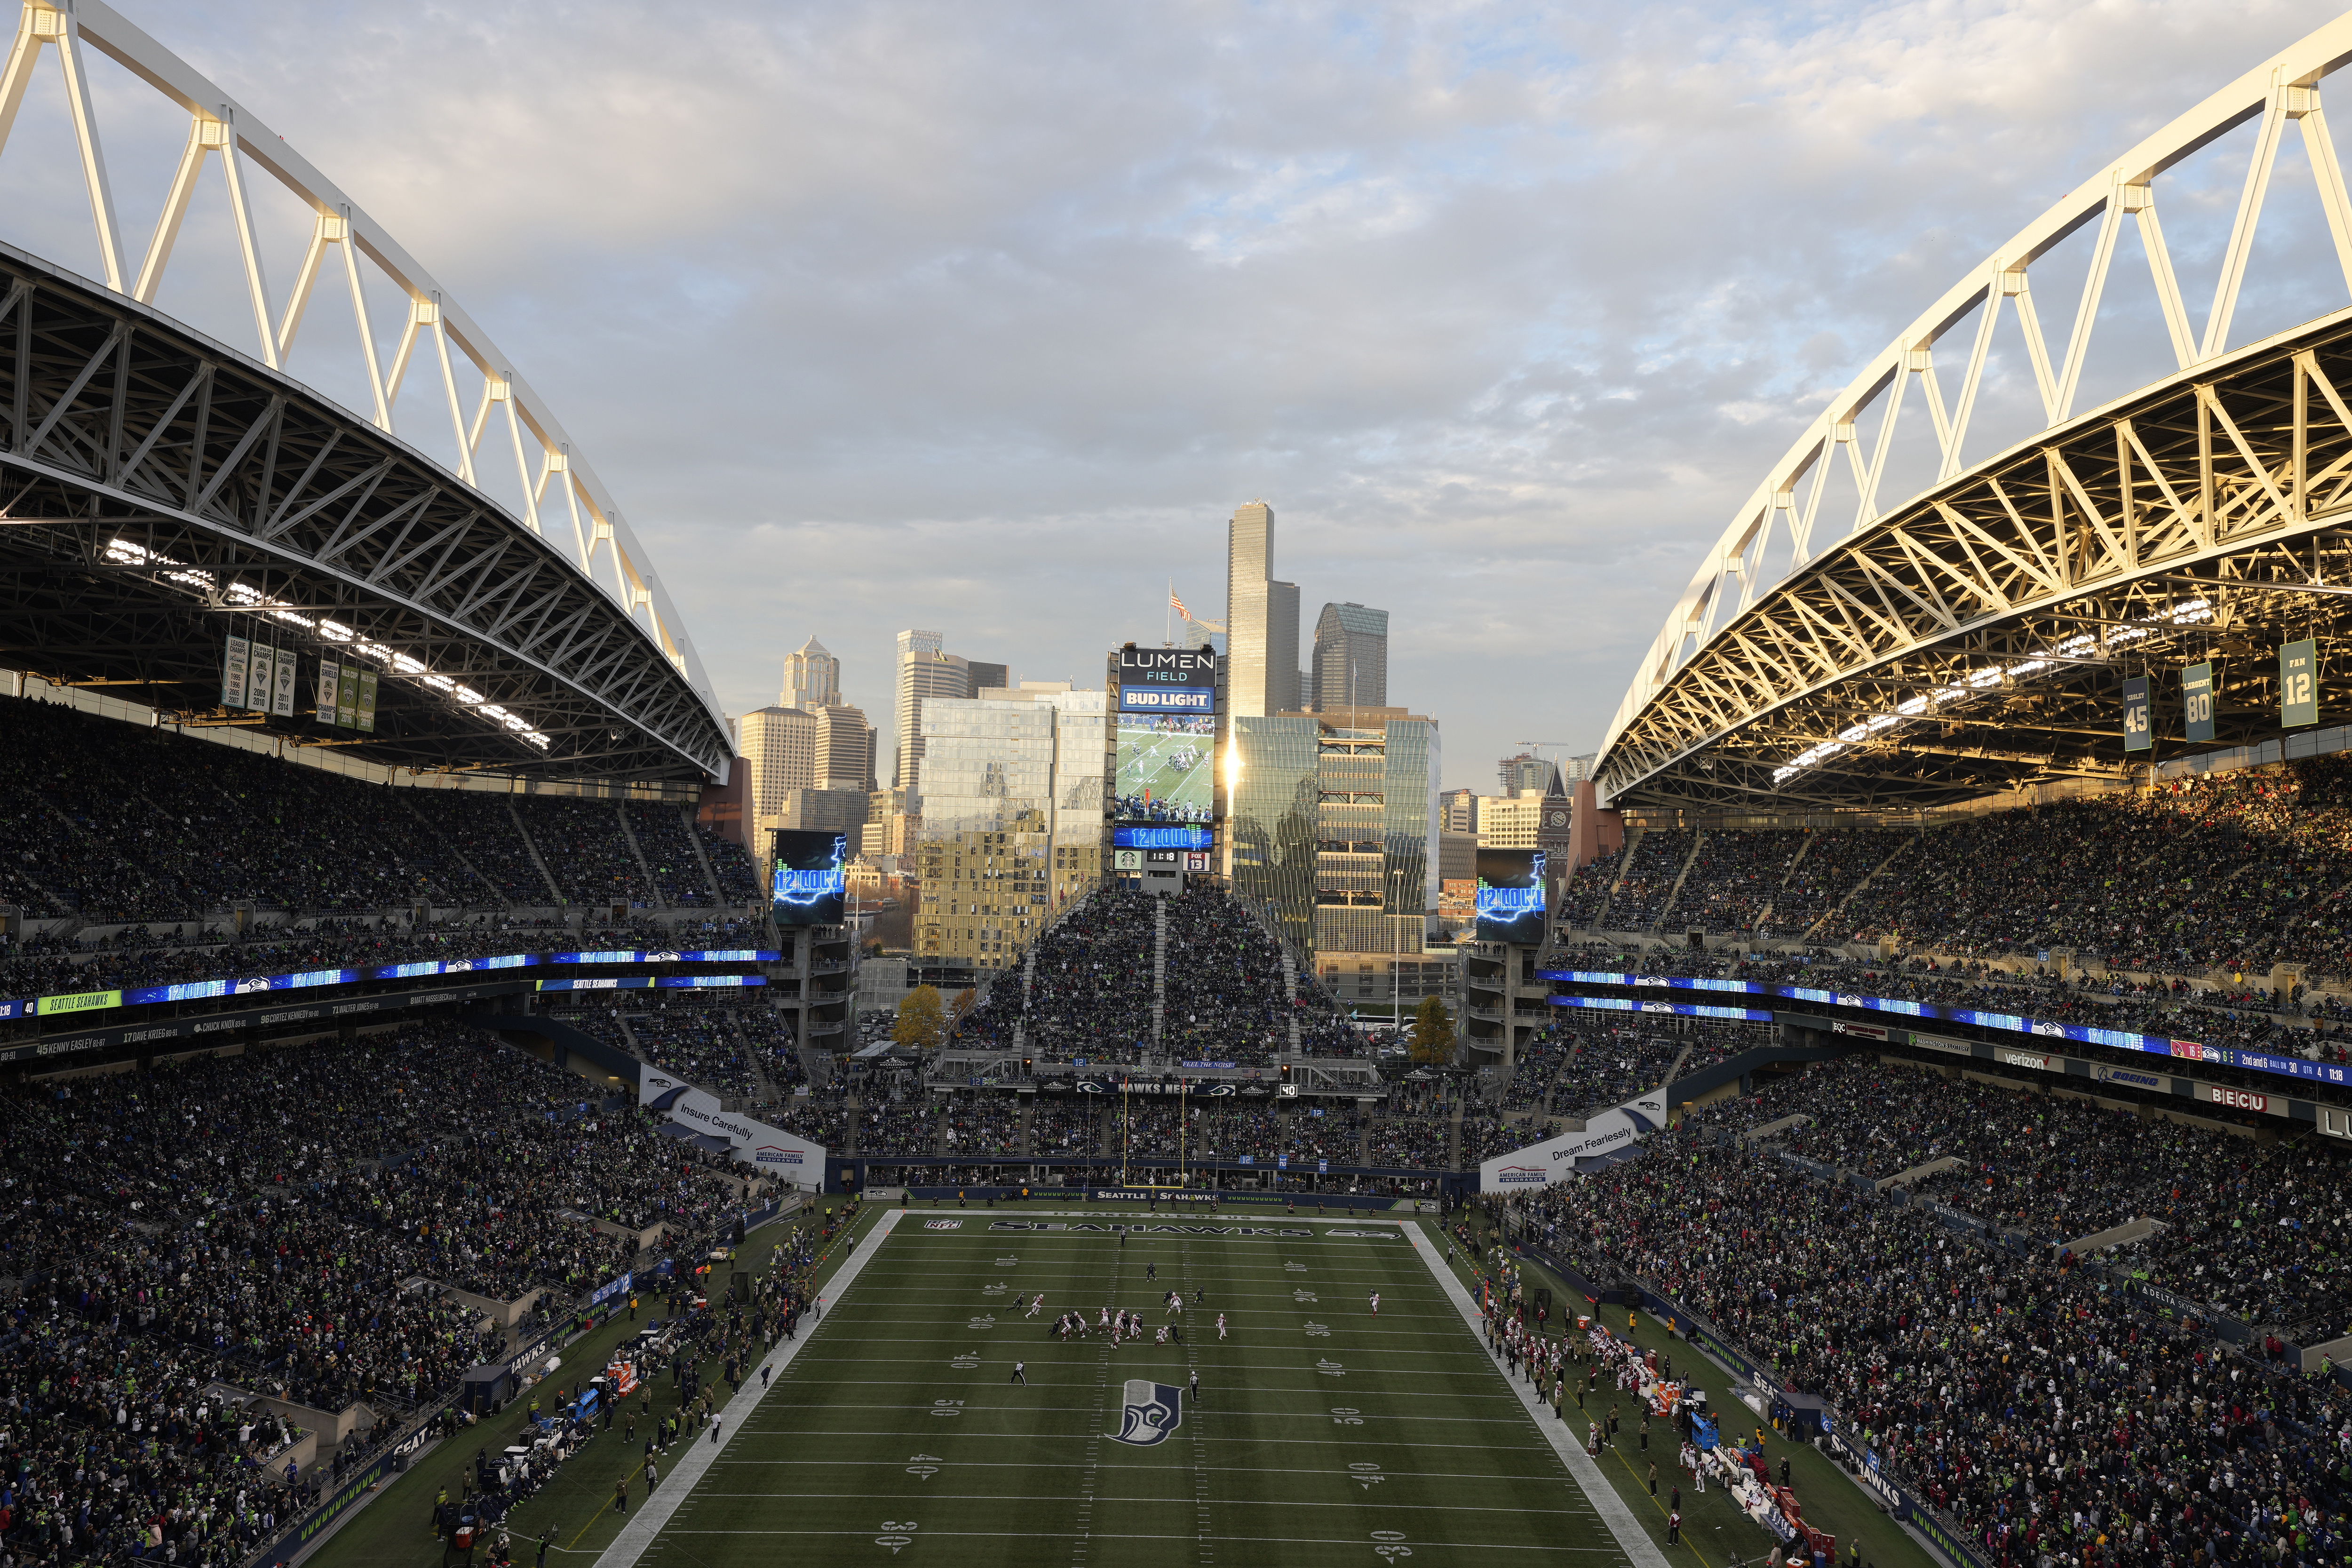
1569	402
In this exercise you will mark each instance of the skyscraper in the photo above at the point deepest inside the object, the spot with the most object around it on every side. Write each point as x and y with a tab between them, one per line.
924	670
1527	771
844	749
779	749
811	677
1351	657
1260	668
1011	820
1334	828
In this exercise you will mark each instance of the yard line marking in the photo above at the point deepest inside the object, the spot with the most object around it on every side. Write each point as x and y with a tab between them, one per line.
1169	1501
1260	1416
648	1521
1477	1356
1154	1469
1050	1382
1104	1535
1077	1438
1631	1536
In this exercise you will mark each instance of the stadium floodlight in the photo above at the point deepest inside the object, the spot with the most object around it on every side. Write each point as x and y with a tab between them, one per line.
246	599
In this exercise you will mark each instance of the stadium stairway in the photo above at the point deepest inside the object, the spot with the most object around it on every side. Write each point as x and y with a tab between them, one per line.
1858	887
1453	1136
554	893
449	844
1028	979
645	867
1290	993
1675	893
1624	860
763	1087
1158	969
702	856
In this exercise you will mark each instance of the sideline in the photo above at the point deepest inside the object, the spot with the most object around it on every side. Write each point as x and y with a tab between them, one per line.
649	1520
1632	1539
789	1204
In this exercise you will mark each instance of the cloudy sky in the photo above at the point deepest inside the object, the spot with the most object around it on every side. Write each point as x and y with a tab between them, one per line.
983	317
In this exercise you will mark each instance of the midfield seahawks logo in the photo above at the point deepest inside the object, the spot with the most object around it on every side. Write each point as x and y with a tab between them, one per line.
1152	1411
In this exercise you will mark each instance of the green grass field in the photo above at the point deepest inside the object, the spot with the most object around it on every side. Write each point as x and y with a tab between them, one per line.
1372	1437
1322	1433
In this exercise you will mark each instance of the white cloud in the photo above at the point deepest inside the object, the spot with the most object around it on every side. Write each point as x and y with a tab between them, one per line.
984	317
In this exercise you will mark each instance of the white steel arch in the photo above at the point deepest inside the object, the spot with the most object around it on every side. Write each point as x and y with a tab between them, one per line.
564	499
2281	93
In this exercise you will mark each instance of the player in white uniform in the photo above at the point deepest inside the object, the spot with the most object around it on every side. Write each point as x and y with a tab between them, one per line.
1038	1304
1376	1304
1161	1334
1105	1321
1221	1325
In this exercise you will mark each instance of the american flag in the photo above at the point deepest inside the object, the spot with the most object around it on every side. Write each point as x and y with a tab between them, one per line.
1177	605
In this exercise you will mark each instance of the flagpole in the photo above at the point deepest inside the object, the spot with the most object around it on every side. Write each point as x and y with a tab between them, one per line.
1167	622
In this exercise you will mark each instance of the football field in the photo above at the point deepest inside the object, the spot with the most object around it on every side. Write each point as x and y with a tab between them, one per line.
1321	1432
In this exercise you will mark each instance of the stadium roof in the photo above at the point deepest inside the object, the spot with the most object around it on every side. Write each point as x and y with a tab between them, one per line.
160	492
1979	634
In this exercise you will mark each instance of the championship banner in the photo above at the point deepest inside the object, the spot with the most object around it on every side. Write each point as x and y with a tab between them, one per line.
261	676
365	711
2298	684
2196	701
785	1156
347	698
232	677
331	681
281	695
1541	1164
2138	736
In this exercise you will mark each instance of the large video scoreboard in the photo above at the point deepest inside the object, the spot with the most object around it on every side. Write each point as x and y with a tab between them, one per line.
1164	735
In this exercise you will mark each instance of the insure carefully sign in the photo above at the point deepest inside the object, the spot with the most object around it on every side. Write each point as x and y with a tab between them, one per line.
2298	684
2196	701
2136	737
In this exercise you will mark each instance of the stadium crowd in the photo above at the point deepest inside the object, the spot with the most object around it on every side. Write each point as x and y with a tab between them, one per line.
1089	987
1226	996
1087	992
2259	1234
2041	1404
2231	872
115	823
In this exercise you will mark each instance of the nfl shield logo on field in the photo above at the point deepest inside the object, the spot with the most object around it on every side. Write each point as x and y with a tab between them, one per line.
1152	1411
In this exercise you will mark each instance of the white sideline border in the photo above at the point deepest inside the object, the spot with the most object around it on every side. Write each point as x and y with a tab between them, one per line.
1632	1539
649	1522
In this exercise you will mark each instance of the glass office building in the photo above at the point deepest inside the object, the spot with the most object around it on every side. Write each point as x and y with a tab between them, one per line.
1011	820
1333	820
